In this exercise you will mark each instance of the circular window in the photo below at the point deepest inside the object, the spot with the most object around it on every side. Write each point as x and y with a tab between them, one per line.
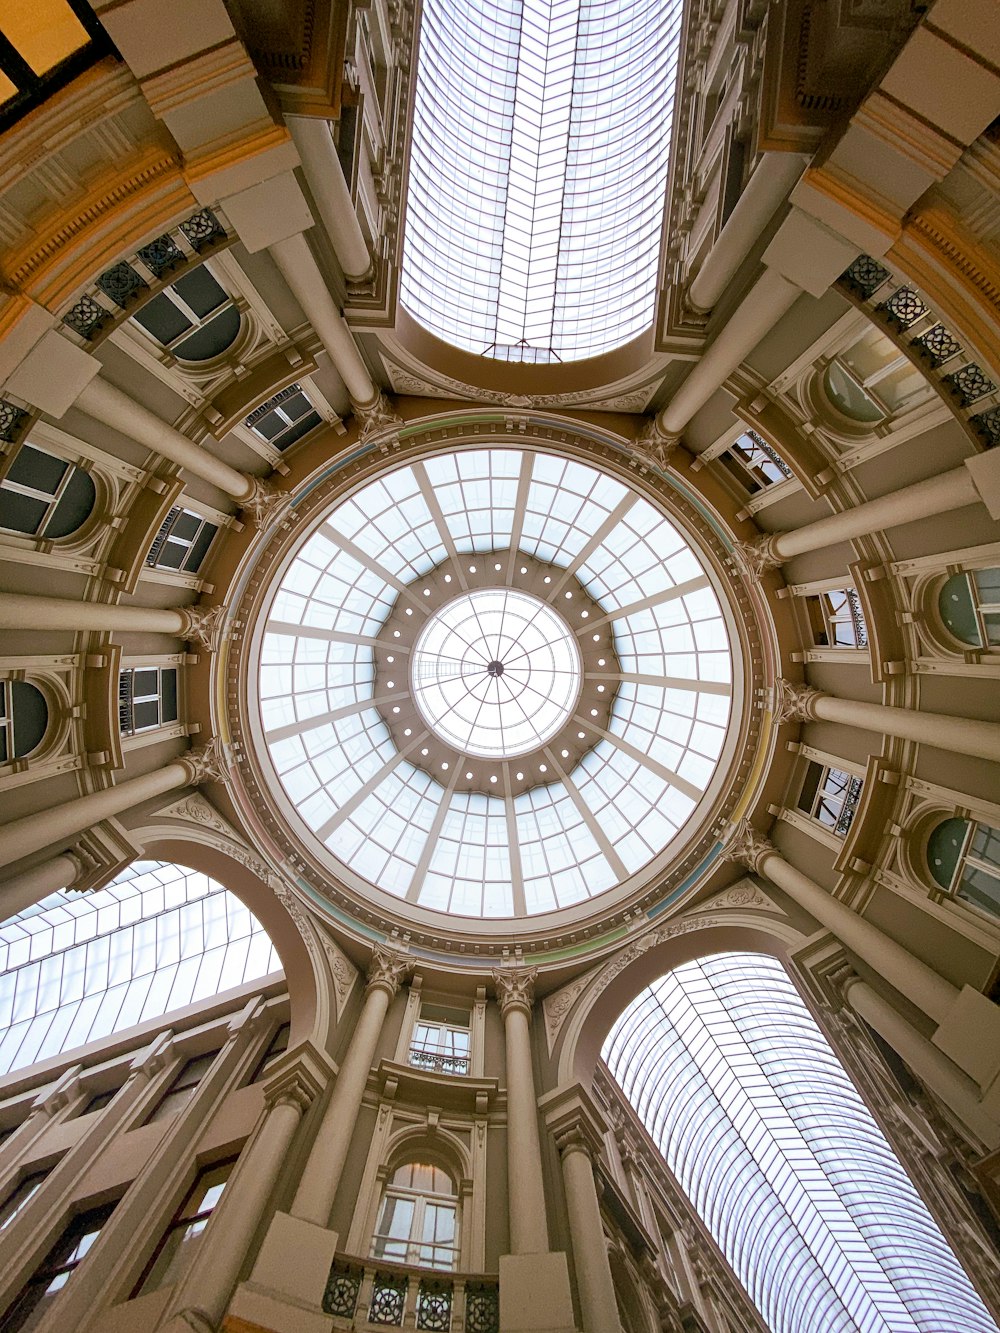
494	682
496	673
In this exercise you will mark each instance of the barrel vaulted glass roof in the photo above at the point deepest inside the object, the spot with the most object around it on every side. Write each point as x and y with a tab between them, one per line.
419	834
538	170
77	967
758	1120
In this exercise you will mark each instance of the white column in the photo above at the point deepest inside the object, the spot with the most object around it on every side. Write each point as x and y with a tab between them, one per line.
301	272
756	315
317	1190
105	403
961	735
321	164
208	1285
594	1283
525	1192
767	188
33	885
31	833
931	993
954	1088
25	611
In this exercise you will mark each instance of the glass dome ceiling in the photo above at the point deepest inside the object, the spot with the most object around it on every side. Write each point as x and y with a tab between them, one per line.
538	166
396	744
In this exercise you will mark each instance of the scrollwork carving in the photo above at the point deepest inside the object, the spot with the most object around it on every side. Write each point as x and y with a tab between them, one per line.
202	625
793	703
263	503
378	418
387	970
748	847
516	989
653	446
756	557
206	763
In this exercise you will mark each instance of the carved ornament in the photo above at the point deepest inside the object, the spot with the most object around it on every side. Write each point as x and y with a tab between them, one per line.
516	989
202	625
387	970
263	503
756	557
793	703
206	763
749	847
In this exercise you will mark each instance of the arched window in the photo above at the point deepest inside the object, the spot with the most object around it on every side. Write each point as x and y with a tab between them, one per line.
418	1218
969	604
757	1118
194	318
963	856
44	496
872	380
24	717
77	967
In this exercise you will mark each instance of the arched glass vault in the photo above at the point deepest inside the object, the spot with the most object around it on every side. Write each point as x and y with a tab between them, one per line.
758	1120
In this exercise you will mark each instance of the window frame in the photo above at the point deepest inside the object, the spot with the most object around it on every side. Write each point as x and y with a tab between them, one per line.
197	323
184	1219
966	858
166	537
420	1199
82	1230
127	699
8	715
51	499
18	1197
287	437
170	1102
752	476
841	800
824	618
441	1056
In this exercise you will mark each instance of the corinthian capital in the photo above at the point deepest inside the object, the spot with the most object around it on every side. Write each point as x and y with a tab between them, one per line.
793	703
516	989
387	970
758	556
378	417
747	846
653	446
207	763
202	625
263	502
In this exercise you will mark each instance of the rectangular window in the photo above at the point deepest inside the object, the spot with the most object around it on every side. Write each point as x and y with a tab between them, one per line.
830	797
180	1243
182	541
285	418
19	1196
754	464
62	1261
147	698
183	1088
441	1040
277	1046
836	619
99	1101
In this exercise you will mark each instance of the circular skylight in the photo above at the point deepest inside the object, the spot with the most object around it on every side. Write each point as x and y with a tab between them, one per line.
495	673
391	764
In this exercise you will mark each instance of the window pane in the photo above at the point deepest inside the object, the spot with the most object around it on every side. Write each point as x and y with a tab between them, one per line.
211	340
162	319
74	508
200	291
38	470
21	513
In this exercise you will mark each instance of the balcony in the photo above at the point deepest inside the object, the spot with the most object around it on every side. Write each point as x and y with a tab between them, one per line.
370	1294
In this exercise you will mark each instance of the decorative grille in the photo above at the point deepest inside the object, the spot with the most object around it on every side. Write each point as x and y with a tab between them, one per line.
434	1299
161	537
850	806
987	426
772	454
122	283
866	276
858	618
203	230
259	412
904	307
438	1062
342	1288
12	420
87	317
161	256
125	695
388	1300
482	1308
939	344
970	384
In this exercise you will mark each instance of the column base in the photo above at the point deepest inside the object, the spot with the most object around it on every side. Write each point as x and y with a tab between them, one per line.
535	1294
284	1292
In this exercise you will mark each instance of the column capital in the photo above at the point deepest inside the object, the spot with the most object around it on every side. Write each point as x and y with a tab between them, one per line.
653	445
377	417
202	625
757	556
793	703
263	503
516	989
386	971
843	978
206	763
296	1079
748	846
575	1121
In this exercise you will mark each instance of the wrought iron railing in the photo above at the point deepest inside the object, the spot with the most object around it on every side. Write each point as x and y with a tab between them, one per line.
858	618
848	810
438	1061
371	1295
125	695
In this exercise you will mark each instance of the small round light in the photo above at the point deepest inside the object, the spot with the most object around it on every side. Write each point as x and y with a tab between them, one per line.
565	754
427	592
493	777
542	768
396	709
445	767
498	566
468	777
569	597
584	615
408	731
600	661
520	777
425	751
597	638
580	735
447	578
409	610
395	633
593	712
524	569
547	579
391	685
600	689
390	659
472	569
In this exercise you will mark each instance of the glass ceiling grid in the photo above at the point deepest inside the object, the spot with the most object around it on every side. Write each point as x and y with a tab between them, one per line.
638	784
538	169
759	1121
78	967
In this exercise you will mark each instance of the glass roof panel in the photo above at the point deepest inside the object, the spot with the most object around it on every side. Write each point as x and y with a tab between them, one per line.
372	806
758	1120
79	966
537	173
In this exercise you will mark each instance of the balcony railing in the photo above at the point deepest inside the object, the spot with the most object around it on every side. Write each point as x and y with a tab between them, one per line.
438	1061
368	1294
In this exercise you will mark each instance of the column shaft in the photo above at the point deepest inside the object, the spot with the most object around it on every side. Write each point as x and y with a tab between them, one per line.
759	311
104	402
526	1195
920	984
594	1283
766	189
31	833
33	885
216	1269
301	272
317	1190
942	1077
935	495
24	611
312	137
961	735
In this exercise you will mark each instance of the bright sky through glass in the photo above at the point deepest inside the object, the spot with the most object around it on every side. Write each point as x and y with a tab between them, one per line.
496	673
537	172
758	1120
422	838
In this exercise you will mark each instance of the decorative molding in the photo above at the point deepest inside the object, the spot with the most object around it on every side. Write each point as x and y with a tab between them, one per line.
749	847
263	503
207	763
793	703
516	989
743	894
653	446
378	418
386	971
756	557
202	625
628	956
556	1007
